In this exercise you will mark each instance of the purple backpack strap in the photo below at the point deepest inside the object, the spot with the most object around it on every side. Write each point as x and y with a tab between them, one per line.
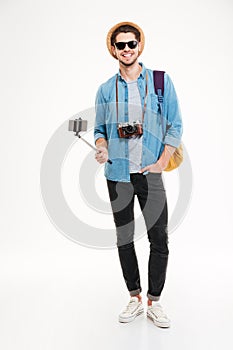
159	90
158	76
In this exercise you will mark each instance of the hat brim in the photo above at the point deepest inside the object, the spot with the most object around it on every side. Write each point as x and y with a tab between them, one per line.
109	36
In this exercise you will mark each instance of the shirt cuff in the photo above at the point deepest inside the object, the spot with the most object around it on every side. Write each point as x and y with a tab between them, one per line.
172	141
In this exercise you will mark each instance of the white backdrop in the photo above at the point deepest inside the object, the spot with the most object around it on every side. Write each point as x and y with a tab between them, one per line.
54	293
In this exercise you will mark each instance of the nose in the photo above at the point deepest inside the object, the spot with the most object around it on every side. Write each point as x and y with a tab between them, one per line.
126	48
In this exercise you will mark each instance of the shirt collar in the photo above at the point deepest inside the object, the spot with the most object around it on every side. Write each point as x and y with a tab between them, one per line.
142	74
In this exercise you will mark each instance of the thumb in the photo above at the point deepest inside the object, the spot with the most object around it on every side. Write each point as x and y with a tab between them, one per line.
143	169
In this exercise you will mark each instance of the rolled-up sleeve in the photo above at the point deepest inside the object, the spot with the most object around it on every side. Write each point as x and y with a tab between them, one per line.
172	114
100	117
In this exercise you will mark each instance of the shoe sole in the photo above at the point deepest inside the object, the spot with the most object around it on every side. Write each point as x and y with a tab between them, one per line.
130	319
158	324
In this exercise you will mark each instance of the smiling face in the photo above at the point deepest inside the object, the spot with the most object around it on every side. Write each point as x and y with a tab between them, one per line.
127	56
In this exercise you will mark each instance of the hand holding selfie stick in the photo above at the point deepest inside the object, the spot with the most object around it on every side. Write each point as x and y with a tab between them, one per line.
79	125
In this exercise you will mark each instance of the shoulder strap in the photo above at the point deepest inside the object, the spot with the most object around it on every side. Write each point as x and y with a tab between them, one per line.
158	76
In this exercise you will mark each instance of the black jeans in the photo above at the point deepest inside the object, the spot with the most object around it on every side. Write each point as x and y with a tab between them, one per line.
151	195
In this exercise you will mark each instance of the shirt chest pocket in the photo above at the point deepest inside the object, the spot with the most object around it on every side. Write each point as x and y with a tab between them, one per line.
153	103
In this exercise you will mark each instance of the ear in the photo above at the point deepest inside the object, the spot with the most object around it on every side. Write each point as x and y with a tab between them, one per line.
139	46
113	50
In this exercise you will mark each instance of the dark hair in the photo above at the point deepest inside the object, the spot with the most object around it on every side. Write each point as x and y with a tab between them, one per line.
125	29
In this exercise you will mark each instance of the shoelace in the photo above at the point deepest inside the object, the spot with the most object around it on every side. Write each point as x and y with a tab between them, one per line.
131	305
158	312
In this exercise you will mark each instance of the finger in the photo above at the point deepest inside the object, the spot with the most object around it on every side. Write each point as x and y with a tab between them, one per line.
144	169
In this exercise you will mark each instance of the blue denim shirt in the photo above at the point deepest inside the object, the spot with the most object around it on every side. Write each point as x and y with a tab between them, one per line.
157	130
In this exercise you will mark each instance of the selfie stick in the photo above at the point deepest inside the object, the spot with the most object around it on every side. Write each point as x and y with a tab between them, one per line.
94	148
81	125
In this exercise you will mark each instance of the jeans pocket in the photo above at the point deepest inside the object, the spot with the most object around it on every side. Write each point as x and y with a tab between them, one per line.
155	181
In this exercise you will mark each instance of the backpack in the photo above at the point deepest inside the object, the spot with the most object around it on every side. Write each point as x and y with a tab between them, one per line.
177	157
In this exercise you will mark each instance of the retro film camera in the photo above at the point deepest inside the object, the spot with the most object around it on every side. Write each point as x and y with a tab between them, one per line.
127	130
78	125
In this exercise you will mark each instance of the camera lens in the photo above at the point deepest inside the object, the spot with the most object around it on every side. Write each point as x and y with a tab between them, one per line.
130	129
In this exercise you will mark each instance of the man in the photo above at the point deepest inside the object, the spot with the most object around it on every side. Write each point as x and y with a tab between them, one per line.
129	137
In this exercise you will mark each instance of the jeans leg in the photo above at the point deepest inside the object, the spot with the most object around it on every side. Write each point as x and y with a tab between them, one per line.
122	202
154	209
129	265
158	260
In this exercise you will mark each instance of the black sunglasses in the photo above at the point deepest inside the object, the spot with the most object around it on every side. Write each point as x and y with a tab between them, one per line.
131	44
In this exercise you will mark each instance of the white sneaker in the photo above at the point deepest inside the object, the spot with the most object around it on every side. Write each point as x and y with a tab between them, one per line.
157	315
132	310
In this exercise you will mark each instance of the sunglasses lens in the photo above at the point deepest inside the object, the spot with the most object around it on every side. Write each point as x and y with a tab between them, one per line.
120	45
131	44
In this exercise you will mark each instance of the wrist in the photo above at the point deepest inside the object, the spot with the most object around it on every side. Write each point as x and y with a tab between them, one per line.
165	156
101	142
163	163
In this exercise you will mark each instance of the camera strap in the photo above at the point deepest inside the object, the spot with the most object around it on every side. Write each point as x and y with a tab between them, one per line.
145	99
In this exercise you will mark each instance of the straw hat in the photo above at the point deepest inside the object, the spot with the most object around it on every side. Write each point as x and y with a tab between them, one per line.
109	36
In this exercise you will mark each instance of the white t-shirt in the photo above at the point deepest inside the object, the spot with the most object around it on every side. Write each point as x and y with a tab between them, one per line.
135	114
